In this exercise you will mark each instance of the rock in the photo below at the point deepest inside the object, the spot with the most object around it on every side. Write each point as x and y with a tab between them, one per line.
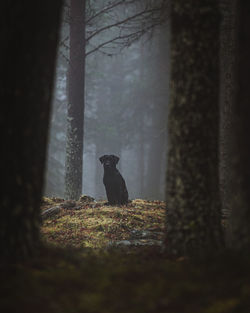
137	242
120	243
50	212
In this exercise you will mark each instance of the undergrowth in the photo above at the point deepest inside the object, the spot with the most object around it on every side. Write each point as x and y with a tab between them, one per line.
71	276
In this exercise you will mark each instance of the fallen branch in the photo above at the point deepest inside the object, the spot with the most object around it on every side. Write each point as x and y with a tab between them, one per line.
50	212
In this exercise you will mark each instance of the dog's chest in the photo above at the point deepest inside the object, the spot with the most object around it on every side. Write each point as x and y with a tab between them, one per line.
111	177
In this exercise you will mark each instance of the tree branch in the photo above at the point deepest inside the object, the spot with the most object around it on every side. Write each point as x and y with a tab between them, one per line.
104	10
131	38
116	24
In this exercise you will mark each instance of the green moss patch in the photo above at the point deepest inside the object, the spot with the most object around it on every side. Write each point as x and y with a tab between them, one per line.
98	226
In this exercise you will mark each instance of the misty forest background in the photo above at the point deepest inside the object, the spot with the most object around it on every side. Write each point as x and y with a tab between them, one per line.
126	95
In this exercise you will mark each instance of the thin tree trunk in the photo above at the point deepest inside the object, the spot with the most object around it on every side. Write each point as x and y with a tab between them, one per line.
100	189
29	36
240	198
227	97
141	159
140	114
193	203
76	85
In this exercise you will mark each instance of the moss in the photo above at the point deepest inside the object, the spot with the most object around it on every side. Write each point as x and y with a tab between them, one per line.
60	280
96	225
136	279
223	306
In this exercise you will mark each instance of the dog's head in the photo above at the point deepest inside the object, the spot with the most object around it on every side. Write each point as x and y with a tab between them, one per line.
109	161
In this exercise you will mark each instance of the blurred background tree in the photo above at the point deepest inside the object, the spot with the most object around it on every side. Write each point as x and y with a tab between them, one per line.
115	81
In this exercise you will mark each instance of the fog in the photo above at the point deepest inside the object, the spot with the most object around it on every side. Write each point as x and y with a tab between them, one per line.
126	104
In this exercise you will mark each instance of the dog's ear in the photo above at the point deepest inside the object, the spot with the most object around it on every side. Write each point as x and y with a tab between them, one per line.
102	158
115	158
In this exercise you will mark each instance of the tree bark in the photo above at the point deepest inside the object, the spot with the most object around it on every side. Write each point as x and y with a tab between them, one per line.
240	198
193	202
99	187
29	41
141	159
227	98
76	86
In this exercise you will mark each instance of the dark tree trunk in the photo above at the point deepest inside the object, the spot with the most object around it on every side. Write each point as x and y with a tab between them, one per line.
140	114
76	85
99	187
240	219
227	97
193	203
29	35
141	159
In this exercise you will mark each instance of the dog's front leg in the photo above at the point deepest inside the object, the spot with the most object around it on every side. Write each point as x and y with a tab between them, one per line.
110	195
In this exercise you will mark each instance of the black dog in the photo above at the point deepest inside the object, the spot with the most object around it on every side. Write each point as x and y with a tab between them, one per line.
114	183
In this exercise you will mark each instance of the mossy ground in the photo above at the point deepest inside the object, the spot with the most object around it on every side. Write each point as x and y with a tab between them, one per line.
97	225
91	278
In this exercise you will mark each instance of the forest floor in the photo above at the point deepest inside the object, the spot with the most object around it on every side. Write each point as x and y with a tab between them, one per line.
102	259
91	224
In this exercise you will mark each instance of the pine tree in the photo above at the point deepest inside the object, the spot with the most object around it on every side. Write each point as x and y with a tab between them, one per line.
240	165
29	40
76	86
193	203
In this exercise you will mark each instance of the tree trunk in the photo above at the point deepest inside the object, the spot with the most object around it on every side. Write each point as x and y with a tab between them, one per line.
99	187
227	97
141	159
76	85
240	198
29	40
193	203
